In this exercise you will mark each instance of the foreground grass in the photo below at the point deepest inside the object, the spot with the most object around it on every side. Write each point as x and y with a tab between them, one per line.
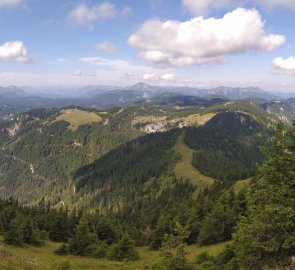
28	258
78	117
185	168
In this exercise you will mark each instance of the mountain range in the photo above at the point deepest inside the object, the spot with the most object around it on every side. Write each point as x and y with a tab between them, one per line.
14	99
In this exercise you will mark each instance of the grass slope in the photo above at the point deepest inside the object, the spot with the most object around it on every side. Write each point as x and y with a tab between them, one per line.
12	258
78	117
198	119
239	185
185	168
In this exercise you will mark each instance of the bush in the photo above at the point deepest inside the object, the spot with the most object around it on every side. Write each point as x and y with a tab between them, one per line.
173	263
62	250
101	250
123	251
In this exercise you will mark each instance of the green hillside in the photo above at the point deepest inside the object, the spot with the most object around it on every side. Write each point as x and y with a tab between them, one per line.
227	148
77	117
185	168
43	258
65	154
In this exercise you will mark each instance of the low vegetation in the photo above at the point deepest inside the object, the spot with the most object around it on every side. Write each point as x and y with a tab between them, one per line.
76	118
184	167
44	258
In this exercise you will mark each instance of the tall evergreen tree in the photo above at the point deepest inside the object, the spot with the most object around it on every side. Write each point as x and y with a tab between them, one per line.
266	238
15	235
83	240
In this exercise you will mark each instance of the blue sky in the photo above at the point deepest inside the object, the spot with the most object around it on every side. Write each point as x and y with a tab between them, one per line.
177	42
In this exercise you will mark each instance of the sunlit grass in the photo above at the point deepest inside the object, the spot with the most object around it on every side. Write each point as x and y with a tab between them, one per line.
42	258
185	168
78	117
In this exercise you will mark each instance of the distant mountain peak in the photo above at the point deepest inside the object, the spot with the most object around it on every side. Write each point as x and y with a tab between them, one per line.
141	86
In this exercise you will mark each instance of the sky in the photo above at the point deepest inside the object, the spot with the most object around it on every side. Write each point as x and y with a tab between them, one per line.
200	43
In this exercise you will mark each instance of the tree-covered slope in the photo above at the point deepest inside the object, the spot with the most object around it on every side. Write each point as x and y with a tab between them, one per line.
42	153
228	146
78	155
120	175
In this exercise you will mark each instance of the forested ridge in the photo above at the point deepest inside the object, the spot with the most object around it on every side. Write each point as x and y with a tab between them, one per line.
227	147
107	187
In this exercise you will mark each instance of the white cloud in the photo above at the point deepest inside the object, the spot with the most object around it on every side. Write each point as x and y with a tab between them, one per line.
201	7
14	51
100	61
284	66
107	47
84	15
10	3
149	77
203	41
168	77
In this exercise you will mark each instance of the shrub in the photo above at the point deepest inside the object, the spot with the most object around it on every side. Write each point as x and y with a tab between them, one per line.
123	250
101	250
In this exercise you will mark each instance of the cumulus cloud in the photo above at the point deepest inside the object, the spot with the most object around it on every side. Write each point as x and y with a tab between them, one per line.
284	66
87	15
203	41
149	77
83	14
107	47
14	51
10	3
168	77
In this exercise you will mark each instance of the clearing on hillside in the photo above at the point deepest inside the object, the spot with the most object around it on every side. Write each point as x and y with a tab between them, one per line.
198	119
241	184
78	117
185	168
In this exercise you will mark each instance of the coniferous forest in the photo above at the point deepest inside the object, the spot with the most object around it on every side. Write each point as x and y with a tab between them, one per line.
147	135
133	197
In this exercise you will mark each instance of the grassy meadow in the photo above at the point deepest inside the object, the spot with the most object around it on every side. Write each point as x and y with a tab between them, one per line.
43	258
78	117
185	168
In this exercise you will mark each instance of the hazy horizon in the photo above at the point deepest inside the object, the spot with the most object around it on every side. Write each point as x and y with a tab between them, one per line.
182	42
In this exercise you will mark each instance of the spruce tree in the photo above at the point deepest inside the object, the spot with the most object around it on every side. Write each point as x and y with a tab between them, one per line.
83	241
266	238
15	235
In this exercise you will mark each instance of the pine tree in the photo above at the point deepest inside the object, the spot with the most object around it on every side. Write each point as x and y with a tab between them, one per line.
83	241
174	247
123	250
15	235
266	238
